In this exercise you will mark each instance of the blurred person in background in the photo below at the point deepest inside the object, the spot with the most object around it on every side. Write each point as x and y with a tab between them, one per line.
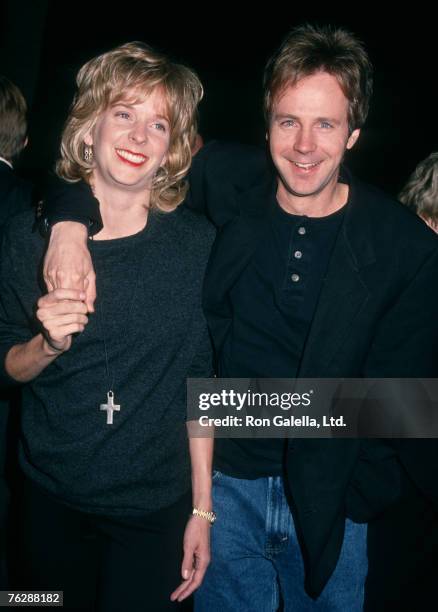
420	193
15	197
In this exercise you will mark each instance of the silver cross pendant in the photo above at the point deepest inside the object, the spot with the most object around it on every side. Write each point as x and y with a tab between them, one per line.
110	407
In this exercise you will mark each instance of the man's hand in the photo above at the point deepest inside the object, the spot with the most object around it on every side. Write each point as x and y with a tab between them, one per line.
68	264
196	557
62	313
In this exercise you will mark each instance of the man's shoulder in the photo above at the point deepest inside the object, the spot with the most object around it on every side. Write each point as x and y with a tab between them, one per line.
231	161
16	194
392	219
19	232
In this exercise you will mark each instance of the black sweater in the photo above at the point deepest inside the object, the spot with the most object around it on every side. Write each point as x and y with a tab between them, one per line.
148	311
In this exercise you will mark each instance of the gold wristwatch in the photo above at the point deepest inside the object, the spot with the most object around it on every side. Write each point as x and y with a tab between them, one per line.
208	515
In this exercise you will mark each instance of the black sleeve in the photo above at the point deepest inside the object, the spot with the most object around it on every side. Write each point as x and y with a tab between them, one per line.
406	340
70	202
202	364
15	327
219	173
406	346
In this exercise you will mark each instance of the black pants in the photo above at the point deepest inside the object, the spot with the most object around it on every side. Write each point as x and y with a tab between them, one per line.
102	563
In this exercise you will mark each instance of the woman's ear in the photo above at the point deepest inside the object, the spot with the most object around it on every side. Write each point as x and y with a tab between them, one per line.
88	138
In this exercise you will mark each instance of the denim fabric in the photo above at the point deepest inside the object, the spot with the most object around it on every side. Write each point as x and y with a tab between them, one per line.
256	559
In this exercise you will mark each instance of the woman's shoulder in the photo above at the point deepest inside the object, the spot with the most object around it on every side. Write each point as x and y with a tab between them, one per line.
193	225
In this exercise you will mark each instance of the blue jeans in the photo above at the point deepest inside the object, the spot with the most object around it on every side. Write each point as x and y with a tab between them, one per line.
255	555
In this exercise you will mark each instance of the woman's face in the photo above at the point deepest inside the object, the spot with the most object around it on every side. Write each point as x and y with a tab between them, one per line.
130	142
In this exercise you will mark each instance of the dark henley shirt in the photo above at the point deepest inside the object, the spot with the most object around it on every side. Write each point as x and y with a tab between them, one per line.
273	303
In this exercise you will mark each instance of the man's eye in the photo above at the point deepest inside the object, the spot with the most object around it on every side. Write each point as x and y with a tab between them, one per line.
326	124
287	123
122	114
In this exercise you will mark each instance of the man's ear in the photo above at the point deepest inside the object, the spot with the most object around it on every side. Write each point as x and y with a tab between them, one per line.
353	138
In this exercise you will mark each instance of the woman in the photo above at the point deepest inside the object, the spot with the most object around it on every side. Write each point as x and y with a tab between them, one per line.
420	193
104	447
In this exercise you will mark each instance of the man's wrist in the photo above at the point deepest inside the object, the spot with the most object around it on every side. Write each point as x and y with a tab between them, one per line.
81	224
76	230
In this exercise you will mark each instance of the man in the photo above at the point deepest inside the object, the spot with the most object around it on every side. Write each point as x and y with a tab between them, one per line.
15	197
312	274
15	193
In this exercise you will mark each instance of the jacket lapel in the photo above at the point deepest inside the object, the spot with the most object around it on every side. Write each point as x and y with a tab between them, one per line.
344	292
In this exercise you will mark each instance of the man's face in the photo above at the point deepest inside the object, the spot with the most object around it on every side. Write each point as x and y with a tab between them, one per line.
308	135
130	141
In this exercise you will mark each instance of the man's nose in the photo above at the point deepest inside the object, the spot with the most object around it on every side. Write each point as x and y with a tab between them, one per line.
305	141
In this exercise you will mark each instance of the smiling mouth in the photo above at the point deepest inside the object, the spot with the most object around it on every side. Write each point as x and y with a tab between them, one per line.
134	159
305	166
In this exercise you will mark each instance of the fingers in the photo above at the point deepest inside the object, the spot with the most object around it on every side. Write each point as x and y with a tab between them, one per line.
56	295
187	571
62	278
64	319
188	562
193	572
90	291
65	330
49	310
62	312
66	311
85	286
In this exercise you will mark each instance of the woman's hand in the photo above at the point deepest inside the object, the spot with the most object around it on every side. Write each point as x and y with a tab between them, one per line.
62	313
196	557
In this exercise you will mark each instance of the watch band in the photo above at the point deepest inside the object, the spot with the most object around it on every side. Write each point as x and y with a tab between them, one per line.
208	515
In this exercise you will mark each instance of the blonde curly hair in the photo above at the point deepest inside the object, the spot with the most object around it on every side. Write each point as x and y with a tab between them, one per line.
104	81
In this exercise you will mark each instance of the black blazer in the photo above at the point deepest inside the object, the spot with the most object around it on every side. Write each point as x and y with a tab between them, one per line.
15	197
375	318
15	193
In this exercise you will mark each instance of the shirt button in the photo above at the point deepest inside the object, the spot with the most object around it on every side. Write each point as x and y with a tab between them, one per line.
298	254
295	278
301	231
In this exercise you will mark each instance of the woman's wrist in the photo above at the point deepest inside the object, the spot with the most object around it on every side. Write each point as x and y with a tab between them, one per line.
203	502
51	350
206	515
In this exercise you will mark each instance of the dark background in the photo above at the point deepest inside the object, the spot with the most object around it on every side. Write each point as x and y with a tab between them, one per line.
43	43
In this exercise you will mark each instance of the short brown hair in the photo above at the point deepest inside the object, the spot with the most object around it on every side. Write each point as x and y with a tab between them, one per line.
104	81
309	49
13	123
